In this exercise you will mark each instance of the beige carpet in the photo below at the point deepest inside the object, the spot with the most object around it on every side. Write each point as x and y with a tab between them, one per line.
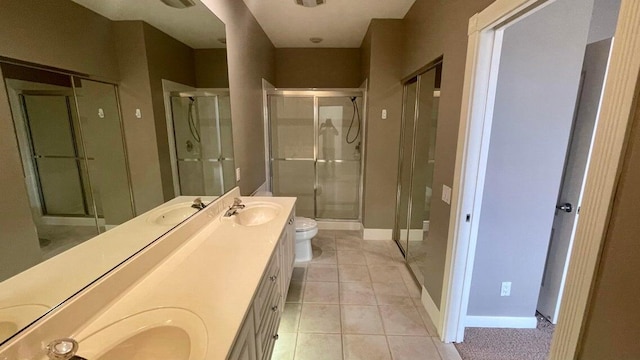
507	344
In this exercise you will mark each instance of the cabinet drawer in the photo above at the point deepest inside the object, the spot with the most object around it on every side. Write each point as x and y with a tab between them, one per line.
269	328
268	285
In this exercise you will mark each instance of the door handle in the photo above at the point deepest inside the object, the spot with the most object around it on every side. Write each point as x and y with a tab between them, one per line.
566	207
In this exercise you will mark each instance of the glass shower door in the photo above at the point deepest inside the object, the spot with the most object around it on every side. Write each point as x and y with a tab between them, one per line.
293	154
104	151
338	165
204	150
406	151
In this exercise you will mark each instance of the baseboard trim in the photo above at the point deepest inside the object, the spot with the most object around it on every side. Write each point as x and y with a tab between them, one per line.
432	309
511	322
339	225
378	234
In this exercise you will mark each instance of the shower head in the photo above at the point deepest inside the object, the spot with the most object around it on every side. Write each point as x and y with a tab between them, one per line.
192	99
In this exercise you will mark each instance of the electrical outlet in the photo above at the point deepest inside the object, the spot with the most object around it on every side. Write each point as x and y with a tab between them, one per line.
505	290
237	174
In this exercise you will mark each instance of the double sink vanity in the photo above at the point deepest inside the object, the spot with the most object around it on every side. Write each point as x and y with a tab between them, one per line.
213	287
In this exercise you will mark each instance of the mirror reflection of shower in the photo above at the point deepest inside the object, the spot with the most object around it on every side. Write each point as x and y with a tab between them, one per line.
202	138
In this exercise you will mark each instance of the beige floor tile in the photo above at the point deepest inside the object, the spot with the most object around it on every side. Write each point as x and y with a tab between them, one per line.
321	292
290	318
351	257
366	347
324	241
385	274
392	294
349	243
348	234
361	319
402	320
299	273
397	289
351	273
322	272
381	259
296	290
375	247
317	318
318	347
357	293
447	351
324	257
285	347
428	323
415	290
412	348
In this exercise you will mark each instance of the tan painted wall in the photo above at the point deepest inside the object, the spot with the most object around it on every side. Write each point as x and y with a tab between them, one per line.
212	70
611	325
169	59
383	42
251	57
435	28
140	134
89	49
318	67
89	40
19	248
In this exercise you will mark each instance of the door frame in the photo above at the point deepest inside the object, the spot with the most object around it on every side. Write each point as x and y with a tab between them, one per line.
483	50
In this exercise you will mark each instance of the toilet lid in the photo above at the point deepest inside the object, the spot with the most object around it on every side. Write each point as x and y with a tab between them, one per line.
304	224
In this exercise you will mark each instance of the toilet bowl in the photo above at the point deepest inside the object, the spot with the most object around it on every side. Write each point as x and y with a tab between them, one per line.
306	229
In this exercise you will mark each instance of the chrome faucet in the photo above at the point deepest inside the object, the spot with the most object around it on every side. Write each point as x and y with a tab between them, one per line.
63	349
198	204
233	209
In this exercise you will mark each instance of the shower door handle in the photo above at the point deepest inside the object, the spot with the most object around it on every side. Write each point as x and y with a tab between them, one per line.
566	207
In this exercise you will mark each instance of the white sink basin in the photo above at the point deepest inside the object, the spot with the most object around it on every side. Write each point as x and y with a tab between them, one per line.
257	214
172	214
14	318
159	334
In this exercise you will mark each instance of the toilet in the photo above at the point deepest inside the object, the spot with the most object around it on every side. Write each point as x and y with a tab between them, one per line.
306	229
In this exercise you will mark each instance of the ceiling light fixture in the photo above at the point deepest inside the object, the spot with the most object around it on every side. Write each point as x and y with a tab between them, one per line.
316	40
310	3
179	4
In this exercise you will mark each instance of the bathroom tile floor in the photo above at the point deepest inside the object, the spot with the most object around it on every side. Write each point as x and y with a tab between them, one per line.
356	300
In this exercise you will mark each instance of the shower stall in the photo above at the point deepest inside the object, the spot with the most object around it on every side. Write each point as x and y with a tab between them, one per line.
70	139
315	150
416	167
201	138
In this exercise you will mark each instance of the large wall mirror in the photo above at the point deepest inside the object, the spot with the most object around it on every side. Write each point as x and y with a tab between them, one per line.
108	109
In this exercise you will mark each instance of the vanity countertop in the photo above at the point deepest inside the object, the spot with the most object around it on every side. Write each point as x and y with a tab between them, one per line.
43	281
213	275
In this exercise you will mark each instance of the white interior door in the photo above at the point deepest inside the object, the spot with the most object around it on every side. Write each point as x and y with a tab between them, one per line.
570	196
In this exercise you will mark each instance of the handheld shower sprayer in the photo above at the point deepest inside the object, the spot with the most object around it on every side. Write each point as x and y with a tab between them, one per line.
356	112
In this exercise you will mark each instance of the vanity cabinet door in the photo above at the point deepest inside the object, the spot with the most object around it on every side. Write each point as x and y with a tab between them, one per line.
245	345
287	253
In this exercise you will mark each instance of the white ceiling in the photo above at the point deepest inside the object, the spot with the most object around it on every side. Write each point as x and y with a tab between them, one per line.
341	23
196	26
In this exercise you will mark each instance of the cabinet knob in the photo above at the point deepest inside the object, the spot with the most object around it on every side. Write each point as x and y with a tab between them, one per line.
274	308
290	221
273	277
276	336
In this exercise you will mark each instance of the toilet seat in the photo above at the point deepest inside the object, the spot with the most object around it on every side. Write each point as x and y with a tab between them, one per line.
305	224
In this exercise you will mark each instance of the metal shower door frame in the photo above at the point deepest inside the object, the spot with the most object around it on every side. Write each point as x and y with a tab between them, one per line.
316	95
